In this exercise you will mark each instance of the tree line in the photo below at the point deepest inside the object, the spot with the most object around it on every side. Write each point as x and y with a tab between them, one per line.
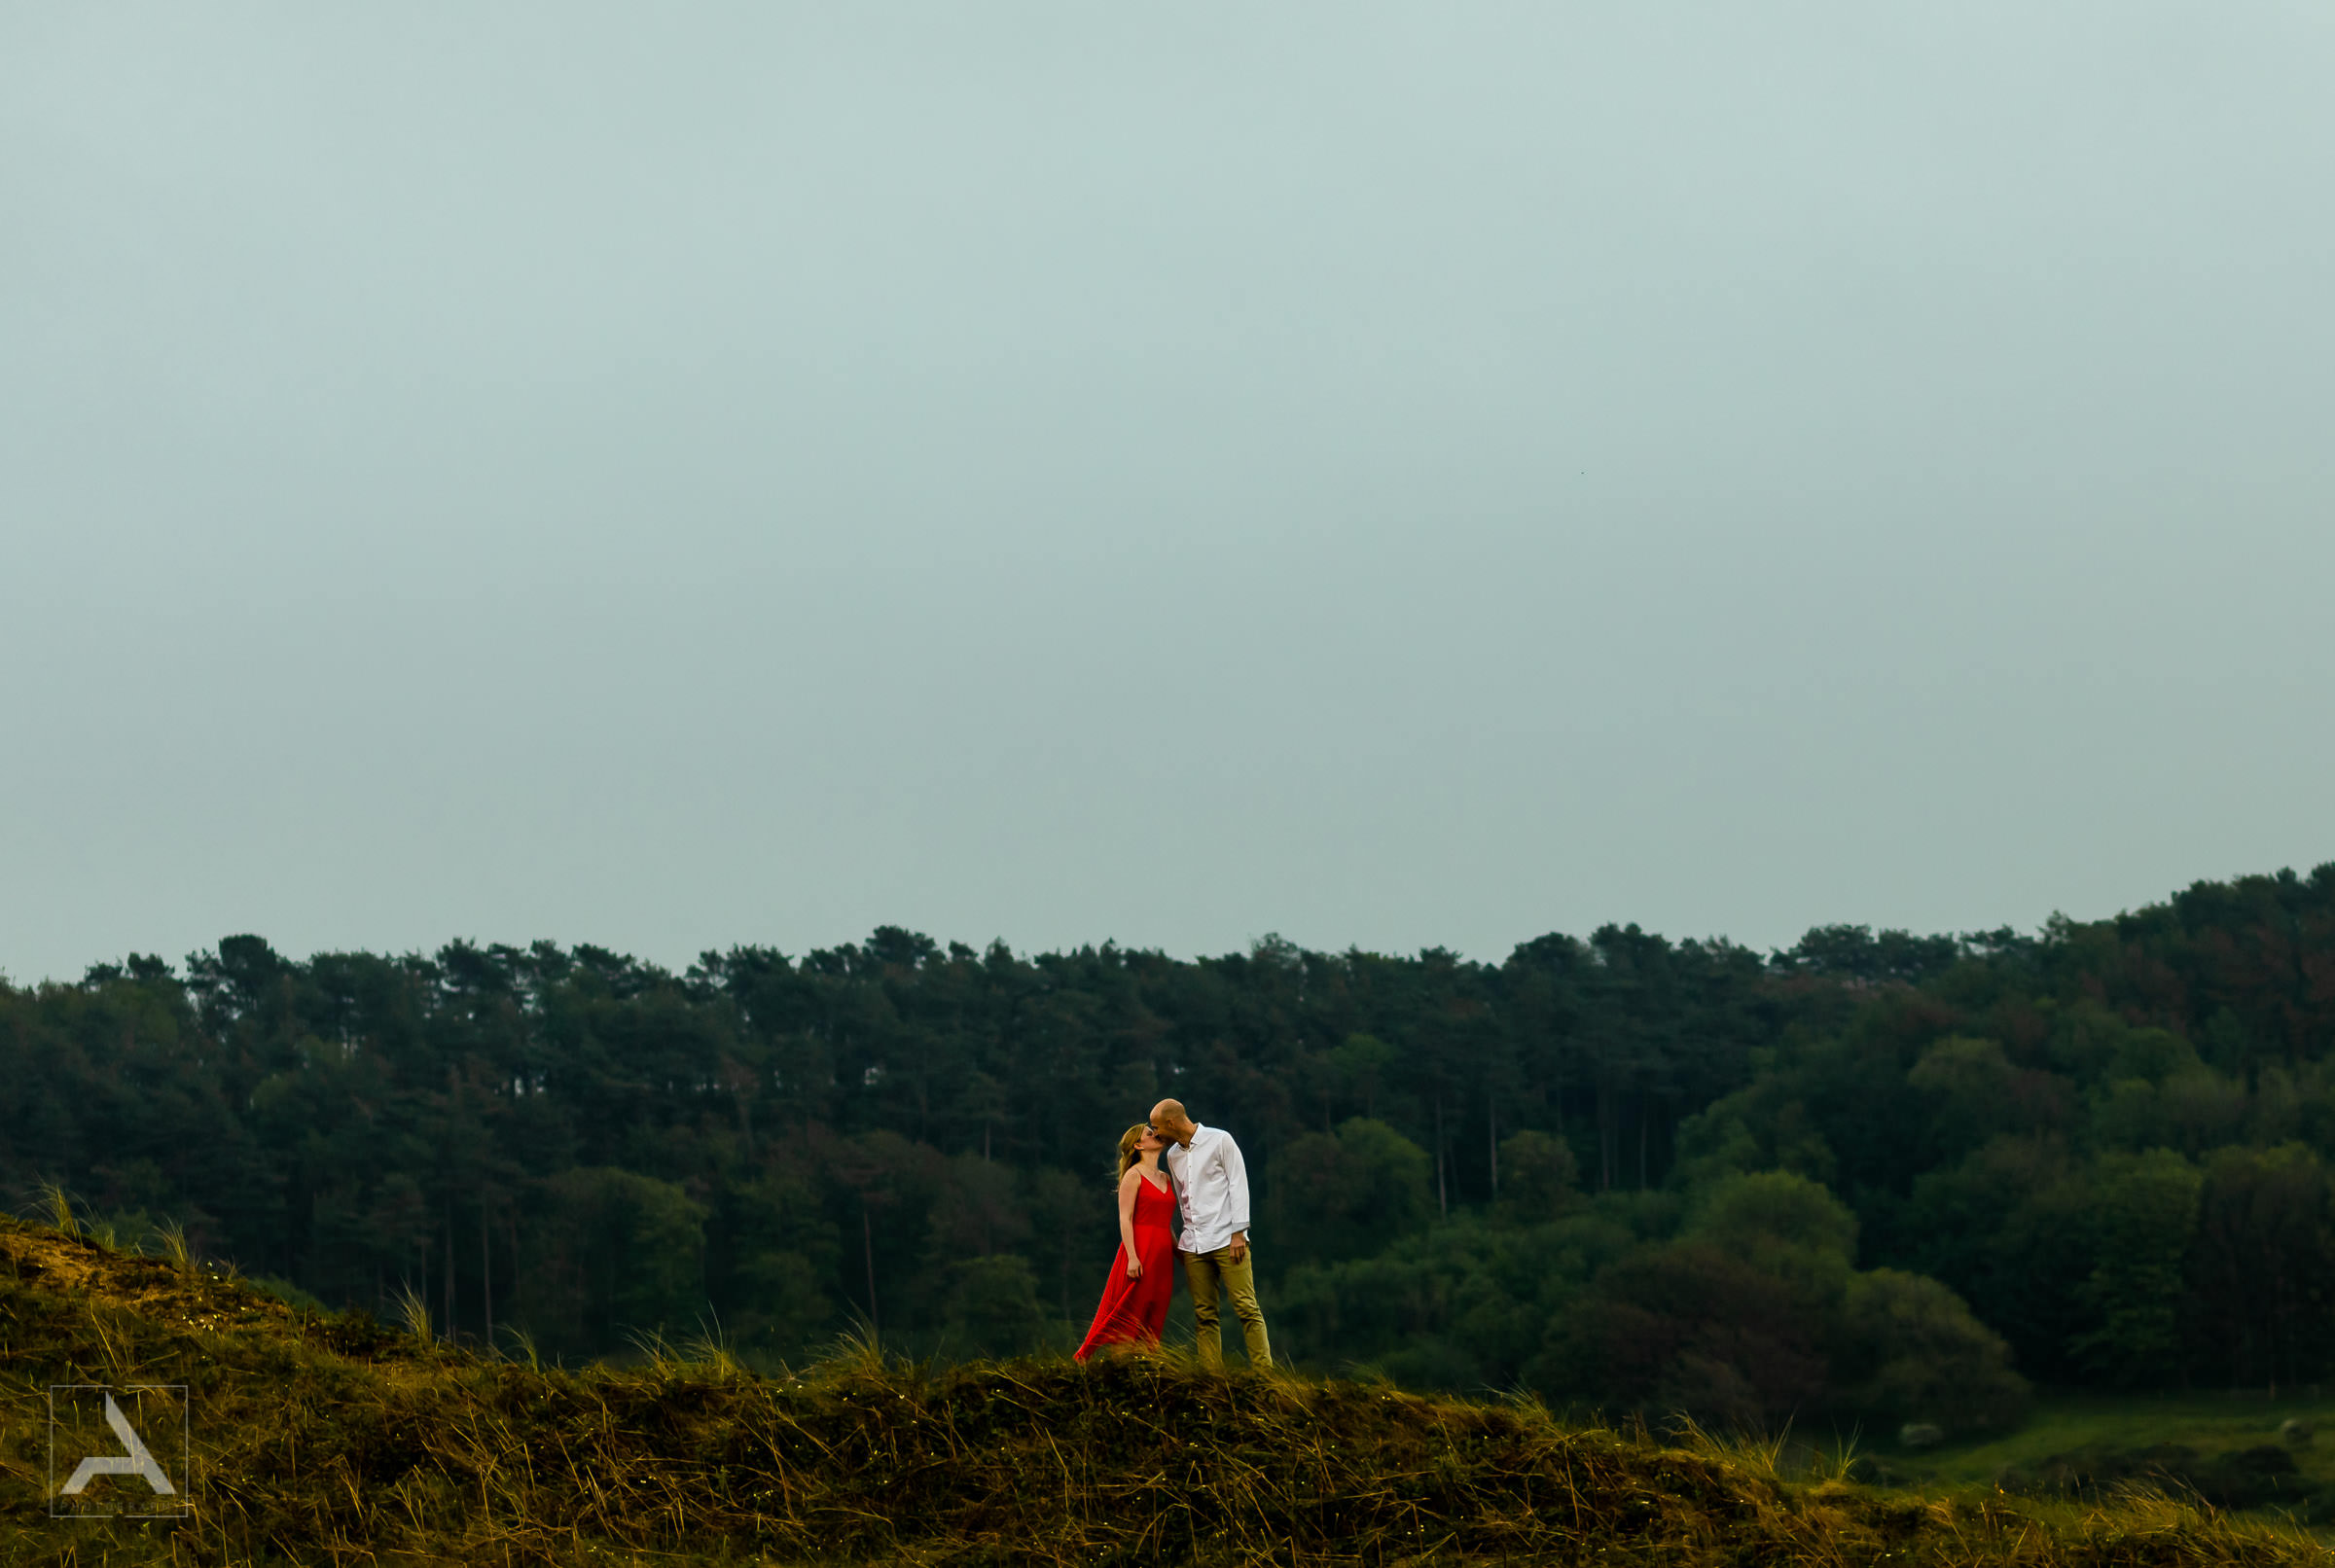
1876	1172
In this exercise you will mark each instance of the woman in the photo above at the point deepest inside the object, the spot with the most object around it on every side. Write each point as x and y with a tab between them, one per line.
1135	1297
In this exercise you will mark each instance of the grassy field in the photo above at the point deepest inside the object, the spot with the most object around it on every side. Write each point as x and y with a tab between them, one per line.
2210	1423
318	1438
2189	1439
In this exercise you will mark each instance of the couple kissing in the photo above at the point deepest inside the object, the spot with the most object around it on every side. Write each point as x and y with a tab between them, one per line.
1205	1185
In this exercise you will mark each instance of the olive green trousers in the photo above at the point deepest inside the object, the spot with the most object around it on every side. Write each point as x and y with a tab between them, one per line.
1214	1276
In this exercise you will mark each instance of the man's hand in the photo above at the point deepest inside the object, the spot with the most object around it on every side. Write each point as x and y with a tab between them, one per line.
1240	1248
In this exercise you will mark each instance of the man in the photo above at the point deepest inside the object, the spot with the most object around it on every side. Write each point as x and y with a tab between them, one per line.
1212	1187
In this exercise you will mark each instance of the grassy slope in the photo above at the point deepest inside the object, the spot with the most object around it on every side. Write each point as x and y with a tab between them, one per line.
331	1439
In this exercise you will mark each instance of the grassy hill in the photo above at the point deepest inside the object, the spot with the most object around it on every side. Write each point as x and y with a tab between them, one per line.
321	1438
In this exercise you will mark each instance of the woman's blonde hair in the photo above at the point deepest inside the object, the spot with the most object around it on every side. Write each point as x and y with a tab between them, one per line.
1129	1154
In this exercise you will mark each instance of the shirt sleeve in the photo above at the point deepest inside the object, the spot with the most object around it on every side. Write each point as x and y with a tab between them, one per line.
1235	1183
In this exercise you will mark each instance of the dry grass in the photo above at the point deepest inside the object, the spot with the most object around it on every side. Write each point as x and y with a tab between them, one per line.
339	1440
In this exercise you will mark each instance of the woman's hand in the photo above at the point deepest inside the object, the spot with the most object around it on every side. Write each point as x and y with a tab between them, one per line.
1134	1268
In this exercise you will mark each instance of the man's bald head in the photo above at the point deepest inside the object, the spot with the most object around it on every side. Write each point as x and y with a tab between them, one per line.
1169	1120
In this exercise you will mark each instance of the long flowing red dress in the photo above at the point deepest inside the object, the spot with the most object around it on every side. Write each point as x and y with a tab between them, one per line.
1135	1311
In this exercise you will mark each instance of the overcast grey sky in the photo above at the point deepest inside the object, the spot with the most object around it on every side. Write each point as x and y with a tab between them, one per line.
1393	475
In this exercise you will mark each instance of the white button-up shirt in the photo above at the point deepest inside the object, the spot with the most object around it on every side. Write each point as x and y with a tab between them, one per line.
1211	1187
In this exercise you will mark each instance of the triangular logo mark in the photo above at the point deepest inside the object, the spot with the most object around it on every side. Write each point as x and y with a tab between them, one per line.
136	1462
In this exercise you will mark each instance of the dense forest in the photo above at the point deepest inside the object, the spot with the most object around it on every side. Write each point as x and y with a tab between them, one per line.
1886	1175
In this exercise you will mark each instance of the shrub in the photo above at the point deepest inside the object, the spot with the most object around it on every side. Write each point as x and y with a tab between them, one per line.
1912	1353
1687	1329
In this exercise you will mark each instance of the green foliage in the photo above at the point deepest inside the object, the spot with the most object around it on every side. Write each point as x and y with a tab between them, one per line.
1363	1066
1539	1177
1975	1090
1466	1304
992	1307
788	1302
291	1295
772	1254
2261	1265
1747	1131
2009	1228
1784	1226
625	1255
1466	1172
1913	1352
1687	1328
1756	1315
2143	1212
1350	1194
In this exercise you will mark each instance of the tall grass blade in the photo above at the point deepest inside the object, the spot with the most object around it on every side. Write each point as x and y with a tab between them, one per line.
415	1313
172	1236
58	1205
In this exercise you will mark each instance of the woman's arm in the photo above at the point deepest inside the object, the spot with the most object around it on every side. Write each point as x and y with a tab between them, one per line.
1126	1222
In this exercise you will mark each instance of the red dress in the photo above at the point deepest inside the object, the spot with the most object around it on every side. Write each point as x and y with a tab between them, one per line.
1135	1311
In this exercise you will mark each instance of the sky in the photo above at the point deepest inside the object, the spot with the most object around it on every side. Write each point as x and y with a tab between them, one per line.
1390	475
